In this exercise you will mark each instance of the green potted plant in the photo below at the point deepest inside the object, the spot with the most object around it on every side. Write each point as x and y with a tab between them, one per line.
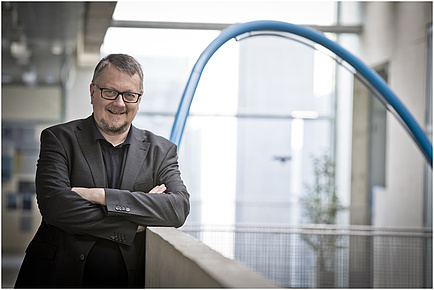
321	206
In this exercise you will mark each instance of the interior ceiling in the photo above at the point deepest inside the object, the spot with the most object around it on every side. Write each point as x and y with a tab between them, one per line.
39	38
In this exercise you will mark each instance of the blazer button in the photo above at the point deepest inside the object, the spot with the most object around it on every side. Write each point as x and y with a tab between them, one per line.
82	257
127	209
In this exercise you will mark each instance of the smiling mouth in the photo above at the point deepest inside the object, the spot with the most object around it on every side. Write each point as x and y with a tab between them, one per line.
115	112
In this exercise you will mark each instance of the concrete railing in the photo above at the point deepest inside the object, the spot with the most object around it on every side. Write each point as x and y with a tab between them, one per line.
177	260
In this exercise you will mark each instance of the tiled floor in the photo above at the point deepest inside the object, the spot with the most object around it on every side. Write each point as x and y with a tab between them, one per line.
10	267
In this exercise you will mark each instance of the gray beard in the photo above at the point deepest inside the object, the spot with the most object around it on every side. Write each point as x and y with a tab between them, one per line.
112	129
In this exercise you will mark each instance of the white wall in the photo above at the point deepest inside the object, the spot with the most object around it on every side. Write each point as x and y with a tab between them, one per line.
395	33
28	104
78	95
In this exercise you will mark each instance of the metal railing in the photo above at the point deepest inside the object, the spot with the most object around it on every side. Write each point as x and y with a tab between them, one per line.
314	256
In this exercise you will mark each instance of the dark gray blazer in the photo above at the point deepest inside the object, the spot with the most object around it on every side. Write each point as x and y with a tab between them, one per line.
69	157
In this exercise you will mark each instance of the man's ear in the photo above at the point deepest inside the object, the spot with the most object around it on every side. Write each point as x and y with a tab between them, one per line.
140	98
91	93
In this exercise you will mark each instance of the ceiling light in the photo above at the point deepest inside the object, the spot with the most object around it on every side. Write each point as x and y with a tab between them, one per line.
20	52
57	49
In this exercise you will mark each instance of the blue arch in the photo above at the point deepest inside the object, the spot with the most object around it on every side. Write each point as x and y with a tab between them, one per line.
265	25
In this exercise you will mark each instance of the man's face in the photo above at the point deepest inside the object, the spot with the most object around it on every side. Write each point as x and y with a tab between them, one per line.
114	117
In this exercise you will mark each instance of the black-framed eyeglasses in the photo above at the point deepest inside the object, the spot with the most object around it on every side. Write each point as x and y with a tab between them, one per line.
112	95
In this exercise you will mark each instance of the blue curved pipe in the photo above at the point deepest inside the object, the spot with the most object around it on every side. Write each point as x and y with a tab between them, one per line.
265	25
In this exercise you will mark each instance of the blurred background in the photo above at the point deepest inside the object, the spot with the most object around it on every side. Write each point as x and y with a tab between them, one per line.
294	165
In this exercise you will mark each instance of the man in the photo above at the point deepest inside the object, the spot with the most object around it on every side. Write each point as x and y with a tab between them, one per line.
99	182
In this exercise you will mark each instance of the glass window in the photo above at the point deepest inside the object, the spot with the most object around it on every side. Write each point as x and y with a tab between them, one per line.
213	11
264	107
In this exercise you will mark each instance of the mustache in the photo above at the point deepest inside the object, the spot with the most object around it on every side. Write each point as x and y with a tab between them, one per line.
116	110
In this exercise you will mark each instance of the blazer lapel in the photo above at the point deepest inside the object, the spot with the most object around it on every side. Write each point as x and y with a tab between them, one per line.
91	151
137	152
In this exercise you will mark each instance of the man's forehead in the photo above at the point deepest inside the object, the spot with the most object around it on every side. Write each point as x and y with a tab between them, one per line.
112	71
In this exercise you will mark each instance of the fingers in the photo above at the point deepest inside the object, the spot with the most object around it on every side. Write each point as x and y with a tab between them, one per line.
158	189
94	195
140	229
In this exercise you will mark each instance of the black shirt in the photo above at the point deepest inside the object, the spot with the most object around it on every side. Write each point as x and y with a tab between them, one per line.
105	266
114	157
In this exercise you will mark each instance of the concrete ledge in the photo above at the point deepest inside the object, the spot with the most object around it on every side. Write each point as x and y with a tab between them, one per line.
177	260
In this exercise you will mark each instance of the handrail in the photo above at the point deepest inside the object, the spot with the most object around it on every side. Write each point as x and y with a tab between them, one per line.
177	260
320	229
401	113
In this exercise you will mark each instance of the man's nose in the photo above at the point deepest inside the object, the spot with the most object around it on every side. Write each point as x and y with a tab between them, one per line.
120	100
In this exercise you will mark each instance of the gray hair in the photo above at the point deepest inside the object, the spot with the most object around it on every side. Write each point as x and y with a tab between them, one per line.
123	62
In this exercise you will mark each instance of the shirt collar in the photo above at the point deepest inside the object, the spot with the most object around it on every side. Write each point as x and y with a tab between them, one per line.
98	136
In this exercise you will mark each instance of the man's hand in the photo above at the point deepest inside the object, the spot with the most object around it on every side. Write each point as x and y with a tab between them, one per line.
94	195
140	229
158	189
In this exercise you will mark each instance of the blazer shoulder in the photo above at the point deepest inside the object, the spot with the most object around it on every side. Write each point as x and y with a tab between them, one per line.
152	138
69	126
66	132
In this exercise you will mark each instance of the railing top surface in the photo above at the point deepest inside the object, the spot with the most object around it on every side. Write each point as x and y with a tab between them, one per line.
226	272
350	230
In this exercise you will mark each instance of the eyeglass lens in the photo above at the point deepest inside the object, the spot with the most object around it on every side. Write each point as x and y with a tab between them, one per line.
112	94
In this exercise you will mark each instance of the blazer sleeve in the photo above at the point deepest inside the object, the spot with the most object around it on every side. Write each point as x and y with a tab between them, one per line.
62	207
149	209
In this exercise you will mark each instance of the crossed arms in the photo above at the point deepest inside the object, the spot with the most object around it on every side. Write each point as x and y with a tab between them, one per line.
68	198
97	196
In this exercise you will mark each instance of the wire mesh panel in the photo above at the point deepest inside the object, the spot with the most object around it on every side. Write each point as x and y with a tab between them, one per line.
328	256
399	261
